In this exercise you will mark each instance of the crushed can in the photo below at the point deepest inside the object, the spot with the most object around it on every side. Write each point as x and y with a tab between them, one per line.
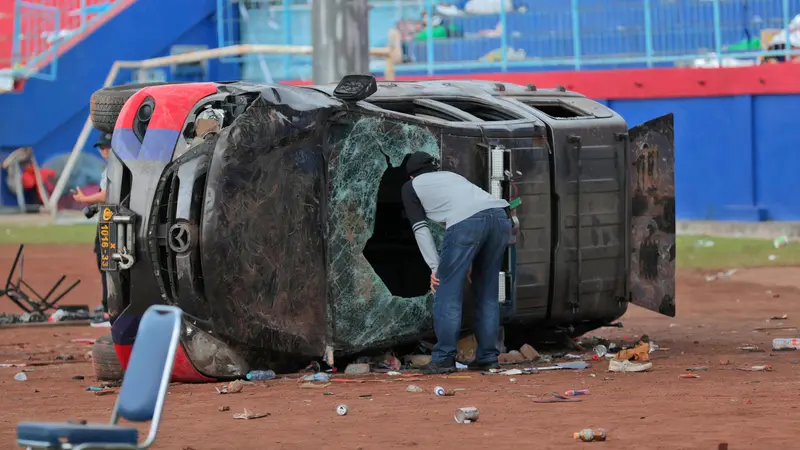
341	410
442	392
466	415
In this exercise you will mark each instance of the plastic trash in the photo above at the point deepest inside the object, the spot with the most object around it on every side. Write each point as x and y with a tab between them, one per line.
786	344
58	315
319	376
589	435
779	242
574	392
21	377
260	375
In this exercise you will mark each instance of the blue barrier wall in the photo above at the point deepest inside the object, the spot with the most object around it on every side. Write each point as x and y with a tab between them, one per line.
735	156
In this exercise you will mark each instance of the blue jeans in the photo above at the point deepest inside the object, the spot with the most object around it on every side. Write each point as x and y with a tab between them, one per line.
480	242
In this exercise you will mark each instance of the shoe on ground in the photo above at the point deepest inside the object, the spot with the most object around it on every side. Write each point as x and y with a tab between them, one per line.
438	368
616	365
483	367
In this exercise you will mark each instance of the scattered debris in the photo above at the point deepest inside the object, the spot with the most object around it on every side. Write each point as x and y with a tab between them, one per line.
224	408
235	386
615	365
773	257
704	243
556	398
529	352
78	377
357	369
414	388
418	360
105	392
314	385
589	435
641	352
781	241
783	317
510	358
94	388
319	377
778	328
466	349
511	372
721	275
441	392
260	375
689	375
764	368
697	369
365	397
21	376
466	415
786	343
600	350
769	292
341	410
65	358
87	341
573	356
247	415
574	392
394	374
512	380
751	349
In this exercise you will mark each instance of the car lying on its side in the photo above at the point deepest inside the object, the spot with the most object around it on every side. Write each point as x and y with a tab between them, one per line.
272	216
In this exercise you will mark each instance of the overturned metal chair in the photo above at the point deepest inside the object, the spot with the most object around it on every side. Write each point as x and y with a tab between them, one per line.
141	398
15	289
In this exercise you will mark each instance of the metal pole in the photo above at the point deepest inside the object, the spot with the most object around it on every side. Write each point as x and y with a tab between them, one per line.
504	37
576	34
787	30
717	33
429	41
340	37
648	33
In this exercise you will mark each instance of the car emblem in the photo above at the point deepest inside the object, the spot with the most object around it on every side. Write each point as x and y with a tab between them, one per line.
179	237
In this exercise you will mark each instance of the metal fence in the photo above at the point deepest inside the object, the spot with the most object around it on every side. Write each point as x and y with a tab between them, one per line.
514	35
42	27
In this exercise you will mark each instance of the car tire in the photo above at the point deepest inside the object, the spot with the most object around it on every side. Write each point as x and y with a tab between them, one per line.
105	363
106	104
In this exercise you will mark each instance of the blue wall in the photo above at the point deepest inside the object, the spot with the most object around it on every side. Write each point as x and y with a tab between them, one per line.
736	157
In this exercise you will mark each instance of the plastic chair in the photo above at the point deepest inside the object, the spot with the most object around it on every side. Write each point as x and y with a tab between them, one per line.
141	397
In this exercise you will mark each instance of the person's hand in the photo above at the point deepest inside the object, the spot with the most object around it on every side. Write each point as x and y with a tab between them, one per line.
434	282
469	274
79	196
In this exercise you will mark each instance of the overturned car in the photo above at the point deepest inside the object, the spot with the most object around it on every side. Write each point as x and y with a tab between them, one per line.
271	214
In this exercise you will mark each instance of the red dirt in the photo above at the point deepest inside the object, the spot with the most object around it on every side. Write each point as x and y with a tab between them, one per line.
655	410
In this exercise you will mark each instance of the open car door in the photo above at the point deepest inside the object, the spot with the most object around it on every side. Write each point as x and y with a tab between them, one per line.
652	200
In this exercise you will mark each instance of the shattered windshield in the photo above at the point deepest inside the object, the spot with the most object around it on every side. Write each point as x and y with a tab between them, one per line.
377	278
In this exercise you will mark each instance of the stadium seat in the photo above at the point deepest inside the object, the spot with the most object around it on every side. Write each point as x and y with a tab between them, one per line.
141	398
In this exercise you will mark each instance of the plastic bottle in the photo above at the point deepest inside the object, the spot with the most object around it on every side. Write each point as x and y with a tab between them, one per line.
319	376
786	343
58	315
260	375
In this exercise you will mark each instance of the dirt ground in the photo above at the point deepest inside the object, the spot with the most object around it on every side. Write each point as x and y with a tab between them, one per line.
655	410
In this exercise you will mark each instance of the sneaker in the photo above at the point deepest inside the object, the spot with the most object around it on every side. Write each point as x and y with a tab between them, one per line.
616	365
437	368
483	367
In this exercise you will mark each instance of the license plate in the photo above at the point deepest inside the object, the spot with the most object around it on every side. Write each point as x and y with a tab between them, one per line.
107	232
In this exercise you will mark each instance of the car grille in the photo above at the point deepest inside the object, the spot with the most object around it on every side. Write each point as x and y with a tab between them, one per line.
162	218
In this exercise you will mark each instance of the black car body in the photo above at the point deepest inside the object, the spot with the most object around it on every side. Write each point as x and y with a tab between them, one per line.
278	228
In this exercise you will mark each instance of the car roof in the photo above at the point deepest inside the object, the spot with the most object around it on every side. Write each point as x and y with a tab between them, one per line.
453	88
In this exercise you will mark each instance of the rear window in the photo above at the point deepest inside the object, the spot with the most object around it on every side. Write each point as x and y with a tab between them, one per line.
556	110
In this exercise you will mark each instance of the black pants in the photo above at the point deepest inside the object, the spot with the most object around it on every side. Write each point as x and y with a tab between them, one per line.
102	274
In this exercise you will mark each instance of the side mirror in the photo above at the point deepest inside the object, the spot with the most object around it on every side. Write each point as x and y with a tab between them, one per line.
354	88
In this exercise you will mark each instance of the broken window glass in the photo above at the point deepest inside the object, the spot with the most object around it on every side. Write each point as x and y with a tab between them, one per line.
378	281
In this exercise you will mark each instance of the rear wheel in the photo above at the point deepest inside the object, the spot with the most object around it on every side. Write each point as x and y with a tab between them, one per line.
104	360
106	104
